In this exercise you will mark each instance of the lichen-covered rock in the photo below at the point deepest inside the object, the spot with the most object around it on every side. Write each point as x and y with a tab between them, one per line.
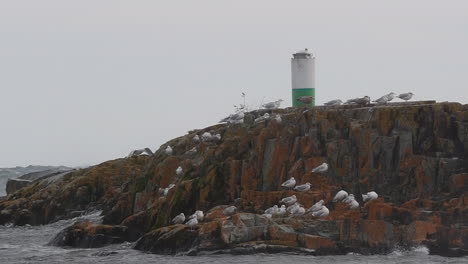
414	155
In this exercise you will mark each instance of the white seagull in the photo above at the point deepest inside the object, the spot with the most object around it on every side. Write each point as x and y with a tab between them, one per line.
267	216
289	200
349	199
272	210
273	105
340	196
298	211
196	139
179	170
228	211
278	118
292	207
334	102
303	188
353	204
305	99
262	118
322	212
281	211
317	206
406	96
168	150
289	183
192	222
322	168
369	196
206	136
179	219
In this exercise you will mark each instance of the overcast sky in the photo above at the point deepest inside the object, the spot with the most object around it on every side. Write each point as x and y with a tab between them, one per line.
86	81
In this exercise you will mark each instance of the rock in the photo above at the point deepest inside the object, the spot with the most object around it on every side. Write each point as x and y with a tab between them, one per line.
414	155
15	184
89	235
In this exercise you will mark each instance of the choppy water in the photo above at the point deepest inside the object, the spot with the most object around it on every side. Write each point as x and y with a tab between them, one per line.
28	245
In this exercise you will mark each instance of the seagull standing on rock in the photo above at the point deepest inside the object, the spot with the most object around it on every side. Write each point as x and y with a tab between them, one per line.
317	206
305	99
289	200
333	102
206	136
191	151
406	96
179	171
289	183
340	196
322	168
196	139
302	188
228	211
168	150
262	118
198	215
192	222
179	219
353	204
292	207
272	210
349	199
281	211
369	196
359	101
322	212
298	211
273	105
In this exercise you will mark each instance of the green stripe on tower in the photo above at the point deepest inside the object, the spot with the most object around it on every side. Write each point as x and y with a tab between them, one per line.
298	92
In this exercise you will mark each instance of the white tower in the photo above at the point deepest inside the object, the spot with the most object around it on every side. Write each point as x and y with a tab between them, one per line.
303	77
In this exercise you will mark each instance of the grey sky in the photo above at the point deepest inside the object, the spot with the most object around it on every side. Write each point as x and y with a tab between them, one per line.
86	81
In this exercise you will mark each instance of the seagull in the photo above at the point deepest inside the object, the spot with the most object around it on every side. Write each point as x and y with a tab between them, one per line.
322	212
349	199
168	150
163	191
353	204
228	211
262	118
199	215
272	210
289	200
317	206
196	139
360	101
334	102
390	96
322	168
381	100
340	196
179	170
369	196
192	222
292	207
179	219
289	183
216	137
267	216
281	211
233	118
386	98
298	211
305	99
273	105
406	96
278	118
191	151
206	136
303	188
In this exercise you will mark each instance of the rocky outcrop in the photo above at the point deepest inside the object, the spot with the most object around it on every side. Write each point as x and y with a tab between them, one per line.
414	155
89	235
14	185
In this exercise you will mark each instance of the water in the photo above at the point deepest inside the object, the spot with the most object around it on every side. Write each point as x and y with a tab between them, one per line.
27	244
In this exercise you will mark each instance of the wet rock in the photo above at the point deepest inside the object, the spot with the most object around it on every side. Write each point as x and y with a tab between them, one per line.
89	235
